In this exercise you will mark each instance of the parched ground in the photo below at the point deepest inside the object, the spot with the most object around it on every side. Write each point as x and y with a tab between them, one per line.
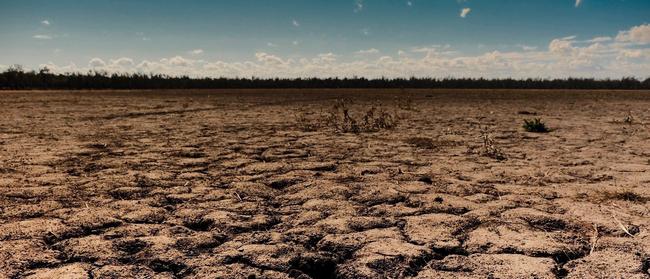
233	184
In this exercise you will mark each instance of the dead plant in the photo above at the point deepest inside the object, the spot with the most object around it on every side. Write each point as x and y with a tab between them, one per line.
490	149
341	119
629	118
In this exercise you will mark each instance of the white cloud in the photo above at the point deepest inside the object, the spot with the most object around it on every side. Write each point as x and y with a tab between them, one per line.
269	44
295	43
178	61
269	59
464	12
42	37
637	34
122	62
528	48
600	39
368	51
578	2
70	68
325	58
295	23
561	46
564	57
45	22
197	51
409	3
97	63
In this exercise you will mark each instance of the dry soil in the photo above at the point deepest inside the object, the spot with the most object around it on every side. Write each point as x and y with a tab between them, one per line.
256	184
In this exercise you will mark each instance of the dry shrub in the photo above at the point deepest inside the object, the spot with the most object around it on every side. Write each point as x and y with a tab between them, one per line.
490	149
629	118
341	119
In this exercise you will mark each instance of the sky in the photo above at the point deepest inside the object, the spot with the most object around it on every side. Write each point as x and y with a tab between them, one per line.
331	38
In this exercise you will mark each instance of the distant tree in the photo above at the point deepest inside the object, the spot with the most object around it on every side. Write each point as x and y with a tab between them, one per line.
16	78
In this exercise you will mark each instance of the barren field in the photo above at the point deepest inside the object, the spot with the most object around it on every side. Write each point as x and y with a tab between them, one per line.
267	184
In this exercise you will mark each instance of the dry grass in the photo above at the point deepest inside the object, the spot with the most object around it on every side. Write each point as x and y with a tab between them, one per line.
490	149
342	119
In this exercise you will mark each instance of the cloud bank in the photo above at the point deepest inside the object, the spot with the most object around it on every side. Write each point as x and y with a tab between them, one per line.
628	54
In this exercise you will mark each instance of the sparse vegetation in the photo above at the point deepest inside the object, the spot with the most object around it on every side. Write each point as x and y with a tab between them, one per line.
490	149
535	126
342	120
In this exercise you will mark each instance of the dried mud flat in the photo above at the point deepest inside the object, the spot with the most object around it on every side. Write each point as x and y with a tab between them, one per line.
227	184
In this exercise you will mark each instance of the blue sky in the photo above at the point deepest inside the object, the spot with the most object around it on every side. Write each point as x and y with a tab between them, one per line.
353	37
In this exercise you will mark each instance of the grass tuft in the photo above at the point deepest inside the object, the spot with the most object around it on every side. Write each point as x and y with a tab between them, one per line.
535	126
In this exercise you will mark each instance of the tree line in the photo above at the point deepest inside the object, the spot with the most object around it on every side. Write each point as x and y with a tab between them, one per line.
15	78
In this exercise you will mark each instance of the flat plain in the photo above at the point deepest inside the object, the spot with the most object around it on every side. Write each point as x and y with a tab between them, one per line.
264	184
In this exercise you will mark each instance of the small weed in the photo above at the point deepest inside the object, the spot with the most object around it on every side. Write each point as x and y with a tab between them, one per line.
629	118
535	126
490	149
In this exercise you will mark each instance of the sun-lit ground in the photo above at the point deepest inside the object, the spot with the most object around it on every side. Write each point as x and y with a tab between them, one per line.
234	184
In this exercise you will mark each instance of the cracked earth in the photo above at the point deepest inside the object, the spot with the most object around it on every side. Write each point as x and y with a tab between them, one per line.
226	184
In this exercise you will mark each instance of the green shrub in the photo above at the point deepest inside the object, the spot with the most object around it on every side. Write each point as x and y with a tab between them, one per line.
535	126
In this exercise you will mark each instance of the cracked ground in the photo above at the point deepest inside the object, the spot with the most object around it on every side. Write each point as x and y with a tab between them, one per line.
255	184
